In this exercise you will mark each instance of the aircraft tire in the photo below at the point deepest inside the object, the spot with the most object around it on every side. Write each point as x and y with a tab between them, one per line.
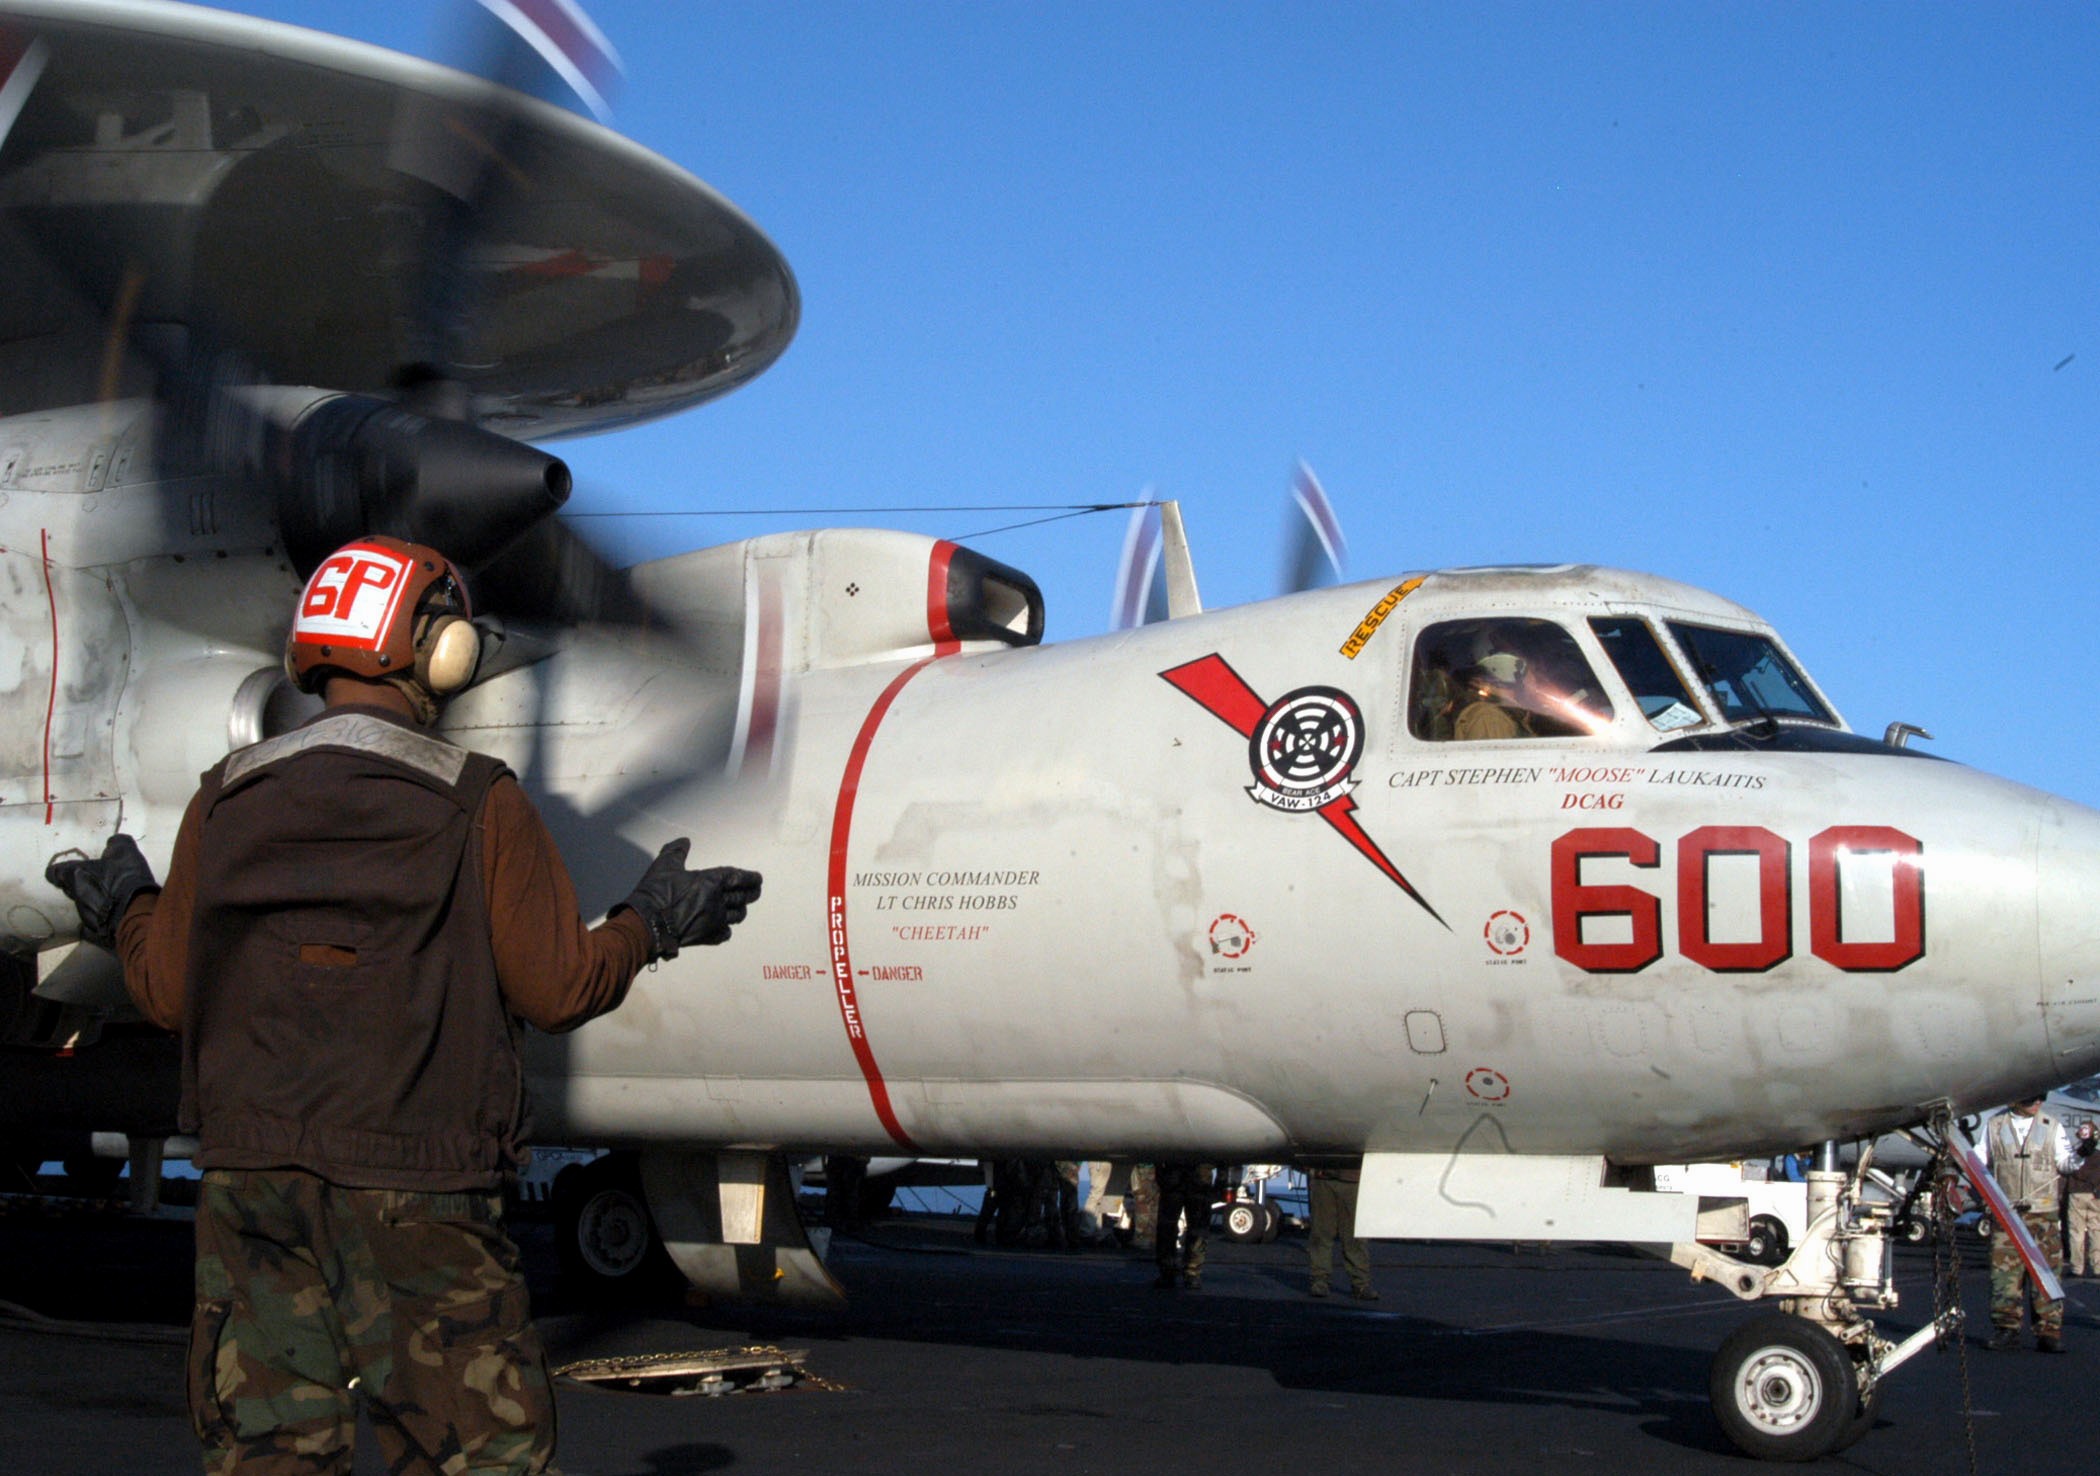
1783	1389
1272	1221
604	1232
1767	1245
1244	1221
1864	1414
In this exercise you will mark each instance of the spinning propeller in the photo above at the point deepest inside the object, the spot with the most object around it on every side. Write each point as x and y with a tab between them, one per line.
1315	553
353	281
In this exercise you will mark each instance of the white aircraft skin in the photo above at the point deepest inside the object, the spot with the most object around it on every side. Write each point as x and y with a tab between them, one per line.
1041	842
1202	888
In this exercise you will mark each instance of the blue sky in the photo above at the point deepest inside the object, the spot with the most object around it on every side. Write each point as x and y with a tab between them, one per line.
1769	298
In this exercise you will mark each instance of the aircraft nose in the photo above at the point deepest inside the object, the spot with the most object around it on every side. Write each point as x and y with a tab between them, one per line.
2067	919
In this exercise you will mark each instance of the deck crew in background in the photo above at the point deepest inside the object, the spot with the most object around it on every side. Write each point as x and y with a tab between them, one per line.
1331	1216
2029	1155
1187	1194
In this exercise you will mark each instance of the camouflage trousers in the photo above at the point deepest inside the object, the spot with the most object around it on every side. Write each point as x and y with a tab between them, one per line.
2082	1227
311	1296
1186	1193
1143	1200
2012	1289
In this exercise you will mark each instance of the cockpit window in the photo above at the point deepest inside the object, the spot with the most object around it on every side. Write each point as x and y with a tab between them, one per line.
1476	680
1747	676
1657	687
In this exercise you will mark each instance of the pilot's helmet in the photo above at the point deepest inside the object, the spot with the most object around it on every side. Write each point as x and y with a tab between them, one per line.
1503	668
385	609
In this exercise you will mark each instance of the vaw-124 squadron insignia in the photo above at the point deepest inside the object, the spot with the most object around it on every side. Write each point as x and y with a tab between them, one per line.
1303	748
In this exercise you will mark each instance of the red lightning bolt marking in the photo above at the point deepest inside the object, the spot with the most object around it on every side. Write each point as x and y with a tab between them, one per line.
1214	686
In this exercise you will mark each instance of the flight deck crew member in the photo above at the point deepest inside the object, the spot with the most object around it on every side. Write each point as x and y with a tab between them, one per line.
2082	1206
2028	1155
1331	1215
356	917
1187	1193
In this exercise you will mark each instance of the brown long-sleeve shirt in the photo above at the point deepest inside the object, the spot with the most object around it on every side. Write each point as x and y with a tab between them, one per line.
554	971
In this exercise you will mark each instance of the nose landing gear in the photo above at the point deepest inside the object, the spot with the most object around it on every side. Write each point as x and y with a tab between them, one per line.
1801	1382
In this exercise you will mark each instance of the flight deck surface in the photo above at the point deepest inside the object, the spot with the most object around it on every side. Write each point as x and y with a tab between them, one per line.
956	1358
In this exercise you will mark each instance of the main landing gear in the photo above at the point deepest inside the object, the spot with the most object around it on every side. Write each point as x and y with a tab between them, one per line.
1804	1381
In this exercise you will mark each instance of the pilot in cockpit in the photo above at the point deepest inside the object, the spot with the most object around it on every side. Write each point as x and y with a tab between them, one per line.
1501	679
1491	701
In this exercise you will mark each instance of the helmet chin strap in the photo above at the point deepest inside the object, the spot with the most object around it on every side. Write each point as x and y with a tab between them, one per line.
419	698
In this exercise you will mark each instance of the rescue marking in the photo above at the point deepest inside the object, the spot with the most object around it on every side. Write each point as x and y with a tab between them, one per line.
1318	740
1375	617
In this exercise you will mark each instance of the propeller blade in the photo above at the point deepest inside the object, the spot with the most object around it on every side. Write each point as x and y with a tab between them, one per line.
301	324
1315	553
1141	594
552	574
474	165
562	35
22	61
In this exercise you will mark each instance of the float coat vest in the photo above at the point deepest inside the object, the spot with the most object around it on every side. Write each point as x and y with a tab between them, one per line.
2029	1176
343	1014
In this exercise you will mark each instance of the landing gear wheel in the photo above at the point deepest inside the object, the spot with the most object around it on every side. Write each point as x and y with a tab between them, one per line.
603	1230
1784	1390
1865	1412
1244	1221
1767	1243
1914	1231
1273	1221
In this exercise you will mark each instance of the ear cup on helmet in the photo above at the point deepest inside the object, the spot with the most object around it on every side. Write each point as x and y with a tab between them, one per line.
448	654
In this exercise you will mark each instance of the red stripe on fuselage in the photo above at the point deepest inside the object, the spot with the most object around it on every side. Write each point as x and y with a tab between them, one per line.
835	910
942	635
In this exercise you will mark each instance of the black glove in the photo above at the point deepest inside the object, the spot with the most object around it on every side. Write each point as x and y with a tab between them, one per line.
101	890
685	907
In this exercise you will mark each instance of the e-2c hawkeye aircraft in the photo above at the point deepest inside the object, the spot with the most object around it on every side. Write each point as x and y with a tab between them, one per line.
1508	881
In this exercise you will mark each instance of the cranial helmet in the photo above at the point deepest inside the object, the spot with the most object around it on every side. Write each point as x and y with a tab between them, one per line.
1503	667
386	610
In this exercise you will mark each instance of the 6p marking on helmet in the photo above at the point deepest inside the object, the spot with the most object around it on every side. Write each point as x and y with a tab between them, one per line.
384	609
